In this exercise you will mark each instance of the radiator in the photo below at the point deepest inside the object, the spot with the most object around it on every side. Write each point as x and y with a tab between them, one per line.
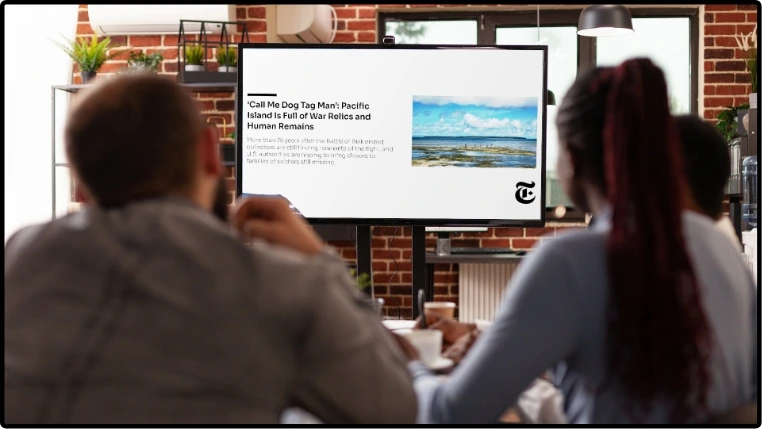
481	287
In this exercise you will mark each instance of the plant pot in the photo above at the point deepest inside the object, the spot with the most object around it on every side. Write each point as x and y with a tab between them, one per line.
227	69
87	76
753	100
194	68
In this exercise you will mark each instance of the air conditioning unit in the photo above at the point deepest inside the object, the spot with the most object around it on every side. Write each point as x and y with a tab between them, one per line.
129	19
302	23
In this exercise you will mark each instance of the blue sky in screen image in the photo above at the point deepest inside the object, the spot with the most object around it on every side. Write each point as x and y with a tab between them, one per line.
475	117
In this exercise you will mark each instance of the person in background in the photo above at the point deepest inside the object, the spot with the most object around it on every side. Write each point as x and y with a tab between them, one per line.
145	308
707	169
649	317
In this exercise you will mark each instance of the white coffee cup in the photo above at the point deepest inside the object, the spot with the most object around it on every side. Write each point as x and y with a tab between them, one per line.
428	342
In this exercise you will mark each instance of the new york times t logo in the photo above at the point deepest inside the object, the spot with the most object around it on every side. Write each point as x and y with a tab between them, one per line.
523	193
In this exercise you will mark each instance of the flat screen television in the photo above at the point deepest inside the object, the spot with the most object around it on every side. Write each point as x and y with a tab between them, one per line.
425	135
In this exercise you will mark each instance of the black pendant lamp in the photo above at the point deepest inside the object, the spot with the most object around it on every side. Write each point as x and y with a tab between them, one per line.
603	20
551	98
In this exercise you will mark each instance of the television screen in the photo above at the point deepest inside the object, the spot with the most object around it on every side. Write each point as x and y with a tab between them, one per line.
402	135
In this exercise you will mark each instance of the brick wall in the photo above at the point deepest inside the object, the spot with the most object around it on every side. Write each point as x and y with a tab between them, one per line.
725	83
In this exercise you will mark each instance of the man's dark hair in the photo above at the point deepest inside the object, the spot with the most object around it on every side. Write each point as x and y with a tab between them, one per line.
134	137
706	163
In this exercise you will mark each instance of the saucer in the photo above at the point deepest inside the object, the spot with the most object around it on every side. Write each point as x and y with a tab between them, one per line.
439	364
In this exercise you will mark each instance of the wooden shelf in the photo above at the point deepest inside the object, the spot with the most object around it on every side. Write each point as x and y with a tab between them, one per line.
194	87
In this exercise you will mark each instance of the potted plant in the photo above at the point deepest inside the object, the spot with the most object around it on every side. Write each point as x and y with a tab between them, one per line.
227	59
142	62
364	282
194	57
727	122
748	43
89	56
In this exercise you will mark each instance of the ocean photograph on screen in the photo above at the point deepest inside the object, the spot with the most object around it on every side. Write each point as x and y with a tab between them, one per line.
481	132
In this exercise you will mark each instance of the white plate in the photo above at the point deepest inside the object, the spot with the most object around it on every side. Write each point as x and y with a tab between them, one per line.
440	363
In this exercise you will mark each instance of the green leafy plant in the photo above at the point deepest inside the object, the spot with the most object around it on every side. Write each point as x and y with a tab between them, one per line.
140	61
231	136
727	121
363	280
226	56
89	55
194	55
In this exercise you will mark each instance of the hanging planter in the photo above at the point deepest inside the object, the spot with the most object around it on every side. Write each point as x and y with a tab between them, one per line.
194	64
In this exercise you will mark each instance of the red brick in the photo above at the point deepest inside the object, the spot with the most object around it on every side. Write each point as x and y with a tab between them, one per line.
401	290
744	28
123	54
708	17
84	29
737	101
259	26
169	54
711	113
170	67
366	37
709	89
225	105
385	278
366	13
719	7
509	232
423	5
258	38
361	25
349	253
708	66
748	6
240	13
496	243
446	277
379	266
726	42
113	67
718	101
346	13
444	267
751	17
730	17
379	231
82	16
539	232
441	291
229	171
258	12
737	66
386	254
714	53
405	278
345	37
719	78
523	243
380	290
215	95
718	29
145	41
742	78
393	6
379	243
342	243
708	42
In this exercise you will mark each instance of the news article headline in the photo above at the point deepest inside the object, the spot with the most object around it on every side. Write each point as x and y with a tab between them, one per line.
302	110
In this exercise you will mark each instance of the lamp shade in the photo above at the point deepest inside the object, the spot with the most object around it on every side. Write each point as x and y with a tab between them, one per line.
601	20
551	98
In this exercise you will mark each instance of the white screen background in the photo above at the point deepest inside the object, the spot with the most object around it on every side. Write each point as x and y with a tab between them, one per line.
388	186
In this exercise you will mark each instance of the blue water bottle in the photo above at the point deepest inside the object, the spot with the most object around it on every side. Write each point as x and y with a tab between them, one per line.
750	190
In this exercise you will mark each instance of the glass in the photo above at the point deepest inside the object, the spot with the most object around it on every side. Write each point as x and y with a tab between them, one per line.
667	42
462	32
750	207
562	70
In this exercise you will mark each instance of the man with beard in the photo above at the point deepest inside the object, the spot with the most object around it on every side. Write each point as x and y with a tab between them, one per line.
144	308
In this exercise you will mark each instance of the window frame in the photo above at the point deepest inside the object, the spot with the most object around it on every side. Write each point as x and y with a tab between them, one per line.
489	21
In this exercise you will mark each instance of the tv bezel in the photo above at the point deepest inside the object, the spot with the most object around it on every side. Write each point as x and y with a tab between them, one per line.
495	223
